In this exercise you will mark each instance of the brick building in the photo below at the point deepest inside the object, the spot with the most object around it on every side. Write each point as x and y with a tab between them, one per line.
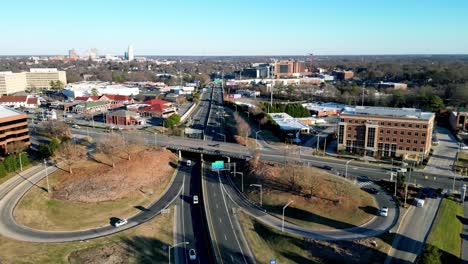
459	121
289	68
385	132
13	128
124	117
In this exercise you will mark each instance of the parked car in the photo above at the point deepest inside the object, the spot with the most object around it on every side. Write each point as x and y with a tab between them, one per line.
373	191
400	169
75	126
464	147
383	211
189	163
121	222
192	254
195	199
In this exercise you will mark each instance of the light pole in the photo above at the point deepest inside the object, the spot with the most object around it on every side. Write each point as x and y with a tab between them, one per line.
284	208
21	163
346	170
261	192
47	177
242	179
256	136
173	246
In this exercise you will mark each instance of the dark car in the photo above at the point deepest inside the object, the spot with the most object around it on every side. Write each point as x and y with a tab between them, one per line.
373	191
217	151
326	167
200	148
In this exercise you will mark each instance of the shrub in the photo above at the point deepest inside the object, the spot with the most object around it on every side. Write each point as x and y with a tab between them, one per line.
430	255
10	163
3	171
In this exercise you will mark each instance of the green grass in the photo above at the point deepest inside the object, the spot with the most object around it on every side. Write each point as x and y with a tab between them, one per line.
445	233
146	241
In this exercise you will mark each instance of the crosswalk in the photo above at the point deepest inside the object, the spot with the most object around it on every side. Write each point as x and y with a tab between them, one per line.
363	183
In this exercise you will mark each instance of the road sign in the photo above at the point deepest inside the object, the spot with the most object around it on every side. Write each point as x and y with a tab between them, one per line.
217	165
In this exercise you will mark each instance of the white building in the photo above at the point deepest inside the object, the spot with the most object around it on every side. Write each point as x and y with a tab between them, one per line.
86	89
130	53
289	123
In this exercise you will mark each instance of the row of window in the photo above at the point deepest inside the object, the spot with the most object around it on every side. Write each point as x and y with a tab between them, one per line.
422	142
402	132
385	123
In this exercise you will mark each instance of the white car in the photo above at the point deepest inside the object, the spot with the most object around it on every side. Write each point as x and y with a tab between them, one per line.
383	211
121	222
464	147
76	126
195	199
399	169
192	254
189	163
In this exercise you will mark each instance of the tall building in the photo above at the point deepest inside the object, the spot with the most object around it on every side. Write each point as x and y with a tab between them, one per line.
40	78
11	83
13	128
385	132
343	75
130	54
72	54
289	68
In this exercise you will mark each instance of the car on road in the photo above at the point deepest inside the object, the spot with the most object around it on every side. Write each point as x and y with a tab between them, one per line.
121	222
372	191
399	170
217	151
326	167
76	126
192	254
464	147
383	211
200	148
189	163
195	199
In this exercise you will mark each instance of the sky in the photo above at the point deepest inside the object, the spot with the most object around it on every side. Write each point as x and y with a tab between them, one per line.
235	27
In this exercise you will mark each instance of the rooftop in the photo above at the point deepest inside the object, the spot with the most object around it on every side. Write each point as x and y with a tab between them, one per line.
287	122
388	111
8	112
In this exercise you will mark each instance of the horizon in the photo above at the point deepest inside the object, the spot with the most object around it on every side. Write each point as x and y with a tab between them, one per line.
212	28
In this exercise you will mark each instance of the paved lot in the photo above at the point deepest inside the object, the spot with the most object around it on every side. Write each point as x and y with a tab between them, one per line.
444	154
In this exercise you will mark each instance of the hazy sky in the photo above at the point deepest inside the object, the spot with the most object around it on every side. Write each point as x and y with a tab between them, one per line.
235	27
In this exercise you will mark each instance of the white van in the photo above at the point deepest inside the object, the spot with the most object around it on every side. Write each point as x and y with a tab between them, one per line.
189	163
418	202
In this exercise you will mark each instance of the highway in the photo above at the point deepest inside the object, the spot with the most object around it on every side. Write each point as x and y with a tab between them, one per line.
227	236
188	219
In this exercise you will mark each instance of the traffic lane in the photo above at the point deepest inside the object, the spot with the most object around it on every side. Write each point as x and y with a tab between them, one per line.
226	239
410	238
199	232
185	230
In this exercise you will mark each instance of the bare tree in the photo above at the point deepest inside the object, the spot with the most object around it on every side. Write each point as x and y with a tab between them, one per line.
69	152
108	148
57	129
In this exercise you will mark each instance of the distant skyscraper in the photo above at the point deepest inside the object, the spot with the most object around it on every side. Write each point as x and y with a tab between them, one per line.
130	54
72	54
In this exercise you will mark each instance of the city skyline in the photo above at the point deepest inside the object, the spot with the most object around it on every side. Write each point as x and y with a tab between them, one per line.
209	28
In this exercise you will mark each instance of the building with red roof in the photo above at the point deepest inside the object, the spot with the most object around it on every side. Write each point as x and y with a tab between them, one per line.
154	108
21	101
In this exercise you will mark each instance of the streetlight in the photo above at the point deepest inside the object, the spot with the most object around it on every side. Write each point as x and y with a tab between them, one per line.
242	179
21	163
173	246
284	208
47	177
346	172
256	134
261	192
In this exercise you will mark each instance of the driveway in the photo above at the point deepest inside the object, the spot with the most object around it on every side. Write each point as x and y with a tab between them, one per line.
444	154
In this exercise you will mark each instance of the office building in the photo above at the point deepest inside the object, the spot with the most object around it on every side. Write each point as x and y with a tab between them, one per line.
125	118
72	54
343	75
289	68
11	83
130	54
385	132
40	78
13	128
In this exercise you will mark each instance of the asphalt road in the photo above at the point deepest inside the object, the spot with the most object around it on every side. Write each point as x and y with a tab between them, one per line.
411	236
188	220
227	236
13	190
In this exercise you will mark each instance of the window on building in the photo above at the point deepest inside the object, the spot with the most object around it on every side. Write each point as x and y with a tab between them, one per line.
401	140
403	125
349	128
423	142
400	148
417	126
410	125
394	139
421	150
408	141
395	132
402	132
414	149
381	131
388	131
389	124
349	135
409	133
387	139
350	121
396	124
407	148
423	134
370	137
416	133
424	126
415	141
382	123
342	119
380	138
341	134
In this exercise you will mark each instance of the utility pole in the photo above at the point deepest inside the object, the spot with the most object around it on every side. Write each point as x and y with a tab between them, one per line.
396	182
21	163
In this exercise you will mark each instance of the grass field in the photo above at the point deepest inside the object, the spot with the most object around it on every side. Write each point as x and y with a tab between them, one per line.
267	243
462	162
142	244
38	211
333	204
445	233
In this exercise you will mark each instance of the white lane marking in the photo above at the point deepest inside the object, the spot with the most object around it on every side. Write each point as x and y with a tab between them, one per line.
229	217
217	206
225	237
219	218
